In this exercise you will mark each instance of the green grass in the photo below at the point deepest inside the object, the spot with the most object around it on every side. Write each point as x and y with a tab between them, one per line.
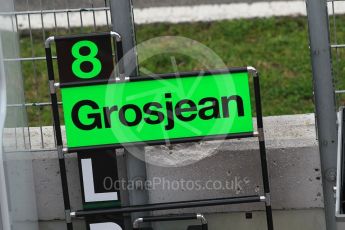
277	47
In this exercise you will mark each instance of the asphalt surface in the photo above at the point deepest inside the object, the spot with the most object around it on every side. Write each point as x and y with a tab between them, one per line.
23	5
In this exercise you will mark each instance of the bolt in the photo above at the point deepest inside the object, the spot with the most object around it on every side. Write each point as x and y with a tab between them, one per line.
331	175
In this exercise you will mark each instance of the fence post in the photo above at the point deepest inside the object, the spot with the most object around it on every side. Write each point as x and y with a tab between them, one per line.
123	23
324	101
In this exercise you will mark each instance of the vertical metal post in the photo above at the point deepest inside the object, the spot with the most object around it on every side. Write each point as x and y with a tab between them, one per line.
262	146
58	134
324	101
123	23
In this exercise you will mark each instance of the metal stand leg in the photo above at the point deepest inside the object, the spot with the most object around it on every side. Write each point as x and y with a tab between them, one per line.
57	130
263	157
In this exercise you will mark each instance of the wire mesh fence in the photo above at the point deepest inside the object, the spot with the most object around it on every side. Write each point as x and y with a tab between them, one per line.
336	29
35	22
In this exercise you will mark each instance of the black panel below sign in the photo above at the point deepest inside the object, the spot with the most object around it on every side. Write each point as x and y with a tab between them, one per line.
99	179
105	223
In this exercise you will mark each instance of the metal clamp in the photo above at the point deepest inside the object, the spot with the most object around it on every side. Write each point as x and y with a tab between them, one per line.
137	223
252	71
68	216
122	78
268	199
117	36
202	218
48	41
73	214
261	134
52	87
60	151
57	85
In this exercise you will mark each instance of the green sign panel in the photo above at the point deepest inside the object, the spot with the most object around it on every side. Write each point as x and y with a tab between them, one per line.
158	110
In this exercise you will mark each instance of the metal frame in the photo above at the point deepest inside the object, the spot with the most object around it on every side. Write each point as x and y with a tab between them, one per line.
172	205
57	126
163	206
202	73
198	216
162	142
58	134
262	145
